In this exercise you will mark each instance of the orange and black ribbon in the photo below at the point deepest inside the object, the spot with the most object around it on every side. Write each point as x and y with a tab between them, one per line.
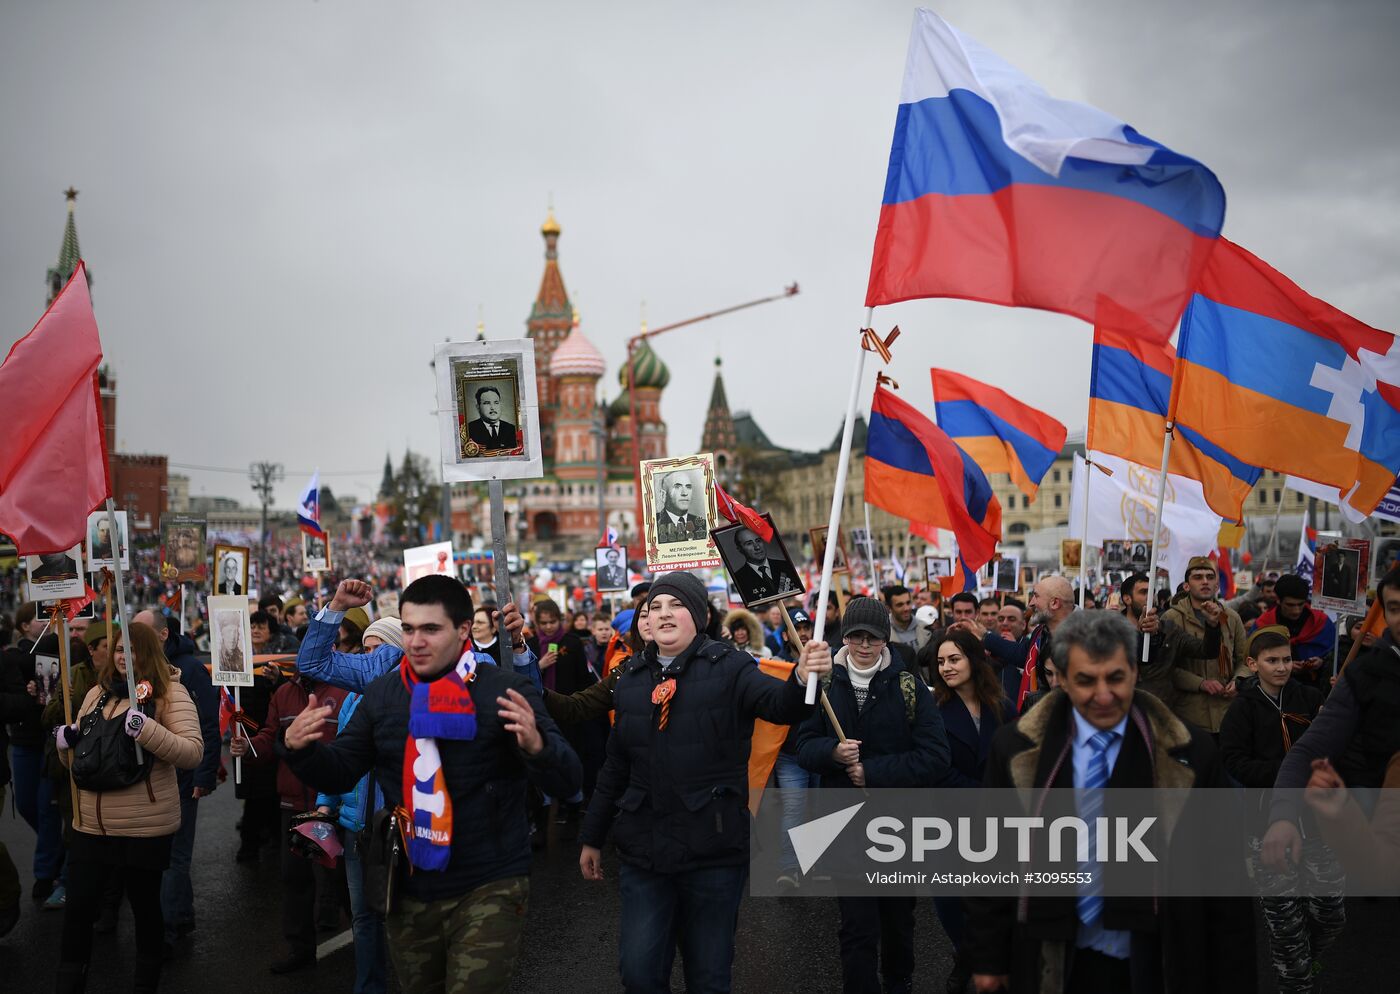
663	694
1284	717
872	342
881	379
240	717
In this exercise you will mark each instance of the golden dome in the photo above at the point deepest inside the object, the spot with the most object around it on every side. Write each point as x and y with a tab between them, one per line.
550	226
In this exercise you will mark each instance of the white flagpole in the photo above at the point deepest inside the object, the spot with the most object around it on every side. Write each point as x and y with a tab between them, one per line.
870	550
1084	536
837	496
120	584
1156	531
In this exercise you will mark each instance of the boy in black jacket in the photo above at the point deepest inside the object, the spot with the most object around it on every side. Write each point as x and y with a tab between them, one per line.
453	741
1269	715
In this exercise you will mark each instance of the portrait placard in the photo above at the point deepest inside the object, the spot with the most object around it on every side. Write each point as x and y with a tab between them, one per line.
46	678
99	542
678	512
1008	578
937	567
488	410
387	604
1070	551
1341	575
231	569
56	576
425	559
183	541
760	571
817	536
612	568
1115	554
1138	558
315	553
230	641
1027	577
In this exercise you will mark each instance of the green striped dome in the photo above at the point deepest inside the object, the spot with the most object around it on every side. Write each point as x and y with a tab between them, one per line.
647	370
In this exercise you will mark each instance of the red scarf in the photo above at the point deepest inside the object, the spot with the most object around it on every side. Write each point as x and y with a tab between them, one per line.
439	709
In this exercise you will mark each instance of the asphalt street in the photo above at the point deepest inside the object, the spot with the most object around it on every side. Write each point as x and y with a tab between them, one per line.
784	945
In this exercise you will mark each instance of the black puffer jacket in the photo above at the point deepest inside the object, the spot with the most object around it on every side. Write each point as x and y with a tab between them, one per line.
486	776
675	799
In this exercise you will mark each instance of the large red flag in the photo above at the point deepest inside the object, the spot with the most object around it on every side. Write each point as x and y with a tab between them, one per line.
53	463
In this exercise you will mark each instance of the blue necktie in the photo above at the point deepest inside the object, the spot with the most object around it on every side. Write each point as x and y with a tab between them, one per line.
1090	808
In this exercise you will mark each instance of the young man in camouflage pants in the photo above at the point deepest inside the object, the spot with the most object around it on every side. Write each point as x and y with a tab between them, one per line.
452	741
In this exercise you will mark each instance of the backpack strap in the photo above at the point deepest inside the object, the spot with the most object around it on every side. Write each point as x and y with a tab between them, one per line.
908	690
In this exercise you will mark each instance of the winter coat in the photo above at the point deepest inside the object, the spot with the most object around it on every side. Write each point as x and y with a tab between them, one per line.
895	751
750	623
676	798
151	807
1252	738
1198	945
1170	648
194	677
288	701
22	718
968	745
486	777
1193	704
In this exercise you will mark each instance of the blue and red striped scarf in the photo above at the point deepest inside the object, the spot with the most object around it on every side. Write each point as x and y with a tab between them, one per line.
439	709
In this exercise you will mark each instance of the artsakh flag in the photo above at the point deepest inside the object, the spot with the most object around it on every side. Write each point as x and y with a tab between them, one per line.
915	471
1000	433
997	191
53	464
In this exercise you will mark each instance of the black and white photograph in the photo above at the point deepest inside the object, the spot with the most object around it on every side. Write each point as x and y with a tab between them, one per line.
46	669
231	569
99	542
315	553
678	512
56	575
612	568
1115	554
1341	575
937	567
761	571
679	496
230	641
488	411
1138	559
1008	576
183	542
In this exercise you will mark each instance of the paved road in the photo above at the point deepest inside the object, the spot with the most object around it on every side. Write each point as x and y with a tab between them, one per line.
785	945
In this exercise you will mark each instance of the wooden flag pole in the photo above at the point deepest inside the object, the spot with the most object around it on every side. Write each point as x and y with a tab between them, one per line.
120	586
826	704
837	496
66	678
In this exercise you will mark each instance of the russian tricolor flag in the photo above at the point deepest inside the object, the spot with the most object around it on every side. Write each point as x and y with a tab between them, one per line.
998	192
915	471
309	507
1000	433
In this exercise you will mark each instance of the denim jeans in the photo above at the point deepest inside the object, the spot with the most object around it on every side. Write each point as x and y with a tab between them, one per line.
791	777
371	948
697	910
37	803
176	891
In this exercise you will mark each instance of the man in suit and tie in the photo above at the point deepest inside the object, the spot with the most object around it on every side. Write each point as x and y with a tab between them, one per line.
230	573
612	575
55	566
488	431
761	577
675	523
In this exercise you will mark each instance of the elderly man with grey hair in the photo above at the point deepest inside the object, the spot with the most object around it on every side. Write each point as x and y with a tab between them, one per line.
1096	730
680	497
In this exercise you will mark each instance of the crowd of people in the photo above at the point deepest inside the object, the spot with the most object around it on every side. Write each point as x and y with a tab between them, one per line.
378	753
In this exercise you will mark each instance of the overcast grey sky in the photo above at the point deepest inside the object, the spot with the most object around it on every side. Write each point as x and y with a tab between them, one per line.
286	204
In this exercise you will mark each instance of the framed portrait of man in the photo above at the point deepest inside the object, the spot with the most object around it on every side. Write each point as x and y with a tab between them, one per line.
100	545
1008	576
1341	575
1115	555
1070	551
488	410
315	553
678	512
230	641
231	569
612	568
56	576
937	567
46	669
817	536
183	541
761	571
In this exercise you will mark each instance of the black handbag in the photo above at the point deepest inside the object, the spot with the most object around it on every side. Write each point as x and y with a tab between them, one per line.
105	757
381	848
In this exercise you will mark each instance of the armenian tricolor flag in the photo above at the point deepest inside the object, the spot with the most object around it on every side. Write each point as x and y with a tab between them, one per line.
915	471
1000	433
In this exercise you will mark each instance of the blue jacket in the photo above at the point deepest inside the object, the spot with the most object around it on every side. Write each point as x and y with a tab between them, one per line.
318	658
969	747
349	808
195	679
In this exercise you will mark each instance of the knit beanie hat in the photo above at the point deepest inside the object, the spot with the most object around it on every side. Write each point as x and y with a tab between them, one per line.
866	614
388	629
686	588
